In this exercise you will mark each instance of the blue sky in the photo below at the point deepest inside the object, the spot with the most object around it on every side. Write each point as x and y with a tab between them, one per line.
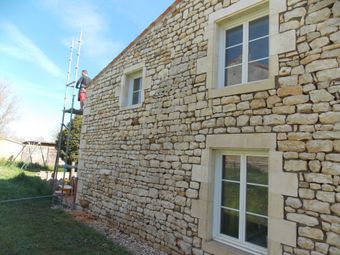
35	36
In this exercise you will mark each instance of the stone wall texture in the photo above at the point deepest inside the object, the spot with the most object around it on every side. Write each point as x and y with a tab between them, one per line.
135	165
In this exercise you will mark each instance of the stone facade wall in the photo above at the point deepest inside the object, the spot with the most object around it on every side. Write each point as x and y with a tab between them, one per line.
136	164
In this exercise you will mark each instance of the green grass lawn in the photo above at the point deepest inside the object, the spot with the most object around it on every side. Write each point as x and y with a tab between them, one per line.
32	227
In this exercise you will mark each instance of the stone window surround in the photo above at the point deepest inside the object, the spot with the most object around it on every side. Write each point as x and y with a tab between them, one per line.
124	86
278	43
281	184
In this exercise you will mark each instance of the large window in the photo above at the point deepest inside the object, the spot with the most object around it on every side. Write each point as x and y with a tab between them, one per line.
241	201
246	52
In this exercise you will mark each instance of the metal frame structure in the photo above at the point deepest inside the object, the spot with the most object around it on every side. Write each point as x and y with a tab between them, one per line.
59	196
32	146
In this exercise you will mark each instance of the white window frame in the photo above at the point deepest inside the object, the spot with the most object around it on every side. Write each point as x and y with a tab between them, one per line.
131	80
239	243
244	21
126	88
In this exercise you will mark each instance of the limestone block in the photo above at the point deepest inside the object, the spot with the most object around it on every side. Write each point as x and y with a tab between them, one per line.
230	121
318	178
289	91
283	42
330	168
272	100
299	136
335	37
325	196
319	5
255	120
336	145
229	108
286	109
288	81
293	24
243	106
243	120
274	119
319	146
329	74
336	209
316	206
321	95
293	202
293	100
305	243
295	13
257	103
319	42
333	239
313	233
277	6
334	251
326	135
330	117
291	146
301	118
321	247
321	107
306	193
318	16
230	100
336	9
333	157
310	58
303	219
295	165
314	166
321	64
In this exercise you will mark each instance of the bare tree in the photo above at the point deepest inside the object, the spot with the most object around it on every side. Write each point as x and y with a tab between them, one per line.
7	106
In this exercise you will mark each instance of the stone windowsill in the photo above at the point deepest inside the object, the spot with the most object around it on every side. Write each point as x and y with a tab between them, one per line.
218	248
129	107
242	88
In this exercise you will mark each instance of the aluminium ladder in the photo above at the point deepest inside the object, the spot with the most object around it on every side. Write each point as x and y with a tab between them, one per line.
58	195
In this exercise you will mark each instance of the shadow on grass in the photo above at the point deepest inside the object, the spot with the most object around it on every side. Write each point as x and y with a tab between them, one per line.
32	227
23	186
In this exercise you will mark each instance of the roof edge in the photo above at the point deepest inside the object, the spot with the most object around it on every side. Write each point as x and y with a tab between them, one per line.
169	9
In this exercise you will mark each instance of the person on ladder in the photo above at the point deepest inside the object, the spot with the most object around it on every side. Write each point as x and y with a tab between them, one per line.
82	84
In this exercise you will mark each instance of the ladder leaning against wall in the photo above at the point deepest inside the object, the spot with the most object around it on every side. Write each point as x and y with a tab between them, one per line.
65	189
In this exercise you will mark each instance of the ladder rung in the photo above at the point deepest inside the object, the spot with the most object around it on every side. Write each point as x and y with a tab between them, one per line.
74	111
70	83
67	166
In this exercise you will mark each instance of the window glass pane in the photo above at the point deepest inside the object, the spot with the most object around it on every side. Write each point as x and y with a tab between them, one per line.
136	84
136	97
233	75
257	199
233	56
231	167
256	230
258	49
257	170
234	36
229	222
230	194
258	70
258	28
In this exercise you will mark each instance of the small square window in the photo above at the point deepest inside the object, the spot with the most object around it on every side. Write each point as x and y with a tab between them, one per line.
132	88
246	52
